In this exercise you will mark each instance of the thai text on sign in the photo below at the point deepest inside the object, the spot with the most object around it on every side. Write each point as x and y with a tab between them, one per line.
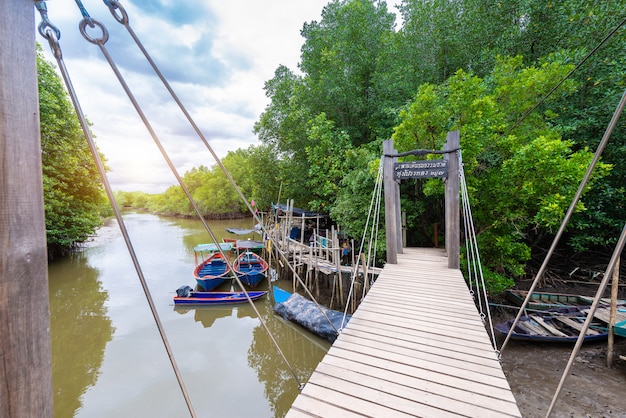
421	169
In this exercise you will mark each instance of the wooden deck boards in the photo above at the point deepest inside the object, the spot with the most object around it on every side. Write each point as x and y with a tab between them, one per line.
416	346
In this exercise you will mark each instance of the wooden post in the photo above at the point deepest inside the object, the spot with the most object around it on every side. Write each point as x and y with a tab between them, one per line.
613	313
399	244
26	365
403	217
453	215
390	204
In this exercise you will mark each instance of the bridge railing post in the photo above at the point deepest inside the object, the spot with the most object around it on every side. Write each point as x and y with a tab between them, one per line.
26	366
452	209
391	202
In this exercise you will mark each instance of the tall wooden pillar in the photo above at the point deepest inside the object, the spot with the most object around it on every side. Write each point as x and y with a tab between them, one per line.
391	211
25	357
452	209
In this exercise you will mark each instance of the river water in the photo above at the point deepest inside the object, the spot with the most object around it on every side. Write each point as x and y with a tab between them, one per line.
109	359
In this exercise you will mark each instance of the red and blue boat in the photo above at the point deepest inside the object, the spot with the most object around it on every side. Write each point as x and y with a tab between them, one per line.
250	268
213	270
186	296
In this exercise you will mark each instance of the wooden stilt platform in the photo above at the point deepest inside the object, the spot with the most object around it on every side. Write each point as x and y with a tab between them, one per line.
416	346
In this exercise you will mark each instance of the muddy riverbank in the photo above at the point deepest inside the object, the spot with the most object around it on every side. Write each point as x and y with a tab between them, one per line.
590	390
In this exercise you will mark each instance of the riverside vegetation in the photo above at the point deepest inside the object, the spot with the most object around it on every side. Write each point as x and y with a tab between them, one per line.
488	69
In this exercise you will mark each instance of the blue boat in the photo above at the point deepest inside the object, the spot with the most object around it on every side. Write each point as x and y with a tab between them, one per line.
250	268
212	272
620	329
186	296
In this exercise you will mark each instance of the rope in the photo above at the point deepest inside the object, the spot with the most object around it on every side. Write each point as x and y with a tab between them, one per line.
570	210
51	35
115	7
590	315
374	203
544	98
473	257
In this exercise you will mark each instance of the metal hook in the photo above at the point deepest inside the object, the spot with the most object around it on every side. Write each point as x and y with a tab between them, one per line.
115	6
45	22
93	23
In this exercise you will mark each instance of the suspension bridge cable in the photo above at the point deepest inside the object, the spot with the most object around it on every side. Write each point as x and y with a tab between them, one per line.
475	254
51	35
544	98
570	211
100	41
121	16
374	204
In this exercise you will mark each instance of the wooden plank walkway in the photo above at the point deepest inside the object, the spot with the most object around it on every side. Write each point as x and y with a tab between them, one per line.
416	346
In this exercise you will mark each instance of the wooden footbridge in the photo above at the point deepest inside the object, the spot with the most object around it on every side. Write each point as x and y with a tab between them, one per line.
416	346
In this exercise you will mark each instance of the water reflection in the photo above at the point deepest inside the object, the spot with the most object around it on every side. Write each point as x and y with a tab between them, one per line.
303	348
108	359
79	330
207	315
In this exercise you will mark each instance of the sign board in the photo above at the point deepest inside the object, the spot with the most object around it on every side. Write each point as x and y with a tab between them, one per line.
421	169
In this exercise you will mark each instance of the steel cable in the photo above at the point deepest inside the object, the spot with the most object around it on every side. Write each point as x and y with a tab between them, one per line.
53	40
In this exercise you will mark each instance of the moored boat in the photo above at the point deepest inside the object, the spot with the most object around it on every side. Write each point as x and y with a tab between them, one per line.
186	296
555	325
548	300
250	268
545	300
212	272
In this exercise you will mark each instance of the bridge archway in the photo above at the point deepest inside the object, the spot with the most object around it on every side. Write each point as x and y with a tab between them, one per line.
448	169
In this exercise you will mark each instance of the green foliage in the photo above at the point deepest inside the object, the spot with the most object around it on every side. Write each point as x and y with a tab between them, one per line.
211	190
519	183
74	198
354	195
326	159
470	65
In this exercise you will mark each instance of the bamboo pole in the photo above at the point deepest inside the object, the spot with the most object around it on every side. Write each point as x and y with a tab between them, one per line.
613	314
26	365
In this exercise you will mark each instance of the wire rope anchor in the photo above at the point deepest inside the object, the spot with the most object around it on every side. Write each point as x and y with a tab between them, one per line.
115	6
92	23
45	27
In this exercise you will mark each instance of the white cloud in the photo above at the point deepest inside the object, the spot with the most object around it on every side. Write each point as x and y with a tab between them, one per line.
217	56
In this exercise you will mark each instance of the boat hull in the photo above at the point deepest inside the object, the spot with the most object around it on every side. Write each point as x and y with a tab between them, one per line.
217	298
620	329
554	325
212	272
547	300
250	268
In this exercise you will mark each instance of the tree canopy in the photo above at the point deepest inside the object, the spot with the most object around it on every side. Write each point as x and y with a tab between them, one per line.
525	82
485	68
74	198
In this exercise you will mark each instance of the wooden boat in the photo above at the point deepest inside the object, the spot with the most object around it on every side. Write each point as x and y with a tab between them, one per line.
620	329
546	300
186	296
250	268
212	272
555	325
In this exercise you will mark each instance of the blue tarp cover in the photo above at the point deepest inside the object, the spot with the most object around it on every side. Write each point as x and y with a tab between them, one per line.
304	312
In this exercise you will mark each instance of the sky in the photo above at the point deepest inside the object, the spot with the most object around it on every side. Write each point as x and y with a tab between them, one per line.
216	55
